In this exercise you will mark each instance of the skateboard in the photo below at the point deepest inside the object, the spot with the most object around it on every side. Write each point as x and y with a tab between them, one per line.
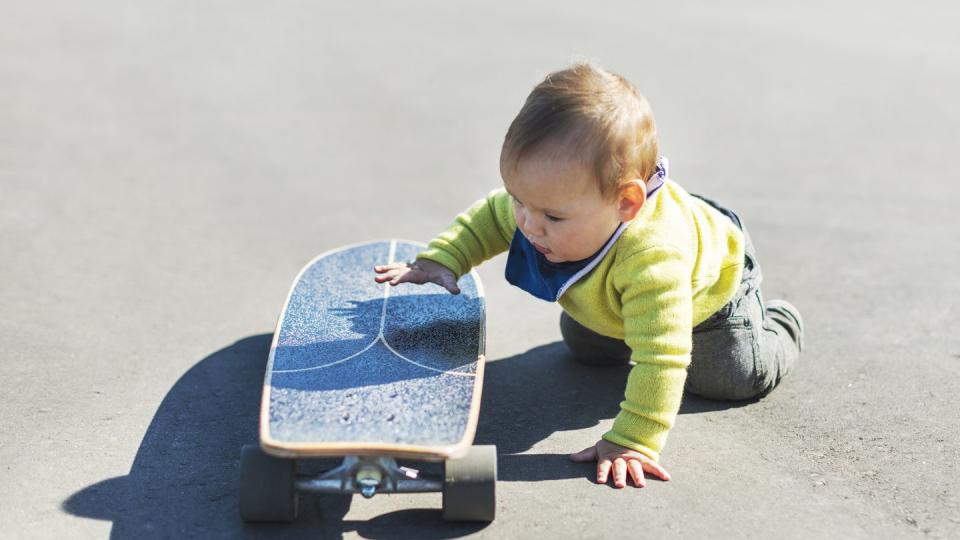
372	373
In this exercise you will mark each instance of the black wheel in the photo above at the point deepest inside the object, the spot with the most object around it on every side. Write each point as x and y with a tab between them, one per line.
470	486
267	489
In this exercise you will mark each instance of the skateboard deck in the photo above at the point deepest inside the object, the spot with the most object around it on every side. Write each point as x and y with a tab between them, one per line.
362	368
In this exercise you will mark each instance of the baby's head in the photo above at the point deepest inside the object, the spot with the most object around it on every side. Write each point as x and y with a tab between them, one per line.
576	158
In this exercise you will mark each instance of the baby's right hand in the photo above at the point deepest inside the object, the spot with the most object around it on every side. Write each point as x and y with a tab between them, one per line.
419	272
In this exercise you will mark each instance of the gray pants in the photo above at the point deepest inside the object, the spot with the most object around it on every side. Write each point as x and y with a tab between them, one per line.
740	352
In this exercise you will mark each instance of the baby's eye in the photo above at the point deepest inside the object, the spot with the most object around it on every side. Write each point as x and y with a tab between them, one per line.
554	218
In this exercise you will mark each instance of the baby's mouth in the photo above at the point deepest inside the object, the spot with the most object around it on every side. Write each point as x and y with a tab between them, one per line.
541	249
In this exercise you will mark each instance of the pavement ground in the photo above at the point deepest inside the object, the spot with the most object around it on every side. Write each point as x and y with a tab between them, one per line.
166	168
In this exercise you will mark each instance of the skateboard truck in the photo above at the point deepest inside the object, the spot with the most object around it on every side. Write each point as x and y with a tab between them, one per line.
369	476
270	486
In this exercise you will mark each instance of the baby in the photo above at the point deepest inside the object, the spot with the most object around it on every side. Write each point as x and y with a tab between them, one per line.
646	272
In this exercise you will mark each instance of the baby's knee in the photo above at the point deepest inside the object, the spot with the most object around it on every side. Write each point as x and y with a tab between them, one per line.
590	348
729	390
729	381
597	359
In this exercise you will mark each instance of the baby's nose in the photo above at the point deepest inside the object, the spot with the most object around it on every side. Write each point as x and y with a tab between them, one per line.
534	227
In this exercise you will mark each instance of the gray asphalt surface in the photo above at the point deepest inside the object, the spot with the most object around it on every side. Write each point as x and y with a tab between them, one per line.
166	168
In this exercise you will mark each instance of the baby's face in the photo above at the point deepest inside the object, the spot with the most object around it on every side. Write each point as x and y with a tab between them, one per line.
559	208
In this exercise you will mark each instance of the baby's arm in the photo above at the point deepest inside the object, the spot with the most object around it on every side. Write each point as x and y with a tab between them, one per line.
655	293
479	233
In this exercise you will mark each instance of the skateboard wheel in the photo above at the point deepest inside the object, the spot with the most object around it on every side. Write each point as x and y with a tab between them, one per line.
267	486
469	486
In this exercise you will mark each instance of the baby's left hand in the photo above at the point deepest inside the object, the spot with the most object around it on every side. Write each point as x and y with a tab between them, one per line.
609	455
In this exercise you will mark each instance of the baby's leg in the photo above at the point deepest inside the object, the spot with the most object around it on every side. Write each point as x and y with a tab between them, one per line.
591	348
746	348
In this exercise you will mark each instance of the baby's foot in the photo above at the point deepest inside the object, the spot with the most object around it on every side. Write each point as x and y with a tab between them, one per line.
788	316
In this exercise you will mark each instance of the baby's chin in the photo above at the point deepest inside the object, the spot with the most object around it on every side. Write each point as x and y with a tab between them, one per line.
567	257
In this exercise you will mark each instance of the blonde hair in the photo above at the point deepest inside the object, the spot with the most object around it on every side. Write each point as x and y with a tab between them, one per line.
592	114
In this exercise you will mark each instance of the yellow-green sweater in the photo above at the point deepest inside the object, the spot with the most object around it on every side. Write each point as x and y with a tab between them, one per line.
678	262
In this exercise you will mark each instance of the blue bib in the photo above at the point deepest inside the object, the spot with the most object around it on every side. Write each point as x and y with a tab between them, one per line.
530	270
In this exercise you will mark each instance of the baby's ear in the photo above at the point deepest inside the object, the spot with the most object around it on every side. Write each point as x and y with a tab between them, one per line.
633	195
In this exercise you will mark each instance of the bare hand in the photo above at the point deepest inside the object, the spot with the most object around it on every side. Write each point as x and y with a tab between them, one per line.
621	459
419	272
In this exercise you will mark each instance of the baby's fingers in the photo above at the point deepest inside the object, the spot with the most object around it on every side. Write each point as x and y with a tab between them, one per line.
587	454
655	469
619	473
636	472
398	273
603	470
387	274
449	283
381	268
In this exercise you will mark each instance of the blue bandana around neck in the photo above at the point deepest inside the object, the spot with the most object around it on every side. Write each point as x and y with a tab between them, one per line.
530	270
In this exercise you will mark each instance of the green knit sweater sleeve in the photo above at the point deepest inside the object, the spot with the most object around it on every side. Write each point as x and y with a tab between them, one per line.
657	307
479	233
